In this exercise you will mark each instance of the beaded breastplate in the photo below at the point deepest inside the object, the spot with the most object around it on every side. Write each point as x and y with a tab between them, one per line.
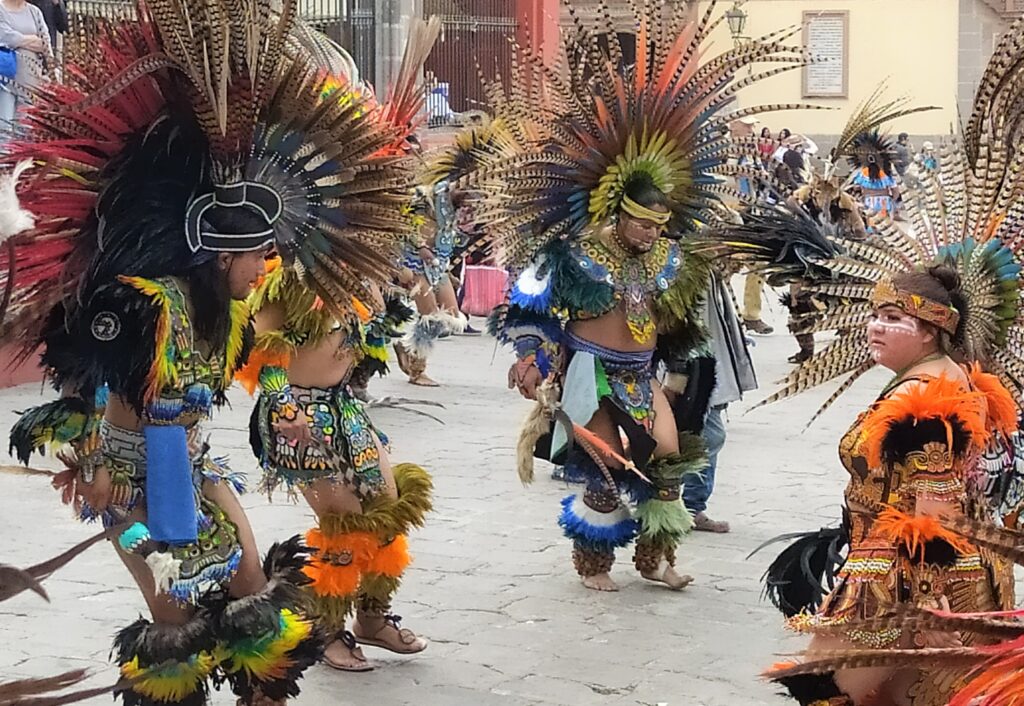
633	278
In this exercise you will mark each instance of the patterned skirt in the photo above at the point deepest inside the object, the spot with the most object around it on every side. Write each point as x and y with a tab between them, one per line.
344	447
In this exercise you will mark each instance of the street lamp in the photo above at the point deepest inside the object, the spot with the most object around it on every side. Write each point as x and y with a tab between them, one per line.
737	20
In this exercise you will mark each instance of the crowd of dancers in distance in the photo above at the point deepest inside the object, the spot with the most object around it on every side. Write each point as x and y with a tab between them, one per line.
209	197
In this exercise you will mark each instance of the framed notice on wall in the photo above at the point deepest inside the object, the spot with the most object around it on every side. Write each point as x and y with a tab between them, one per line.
827	39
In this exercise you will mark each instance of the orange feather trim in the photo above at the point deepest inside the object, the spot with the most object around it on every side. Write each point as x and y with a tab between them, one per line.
270	265
249	376
362	311
939	398
777	667
999	681
391	559
1002	410
914	531
329	577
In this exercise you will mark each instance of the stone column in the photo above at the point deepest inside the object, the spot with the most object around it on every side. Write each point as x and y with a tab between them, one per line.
538	26
392	21
980	29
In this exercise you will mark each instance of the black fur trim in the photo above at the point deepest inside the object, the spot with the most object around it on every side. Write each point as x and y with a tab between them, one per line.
153	644
939	552
908	435
75	357
255	437
808	688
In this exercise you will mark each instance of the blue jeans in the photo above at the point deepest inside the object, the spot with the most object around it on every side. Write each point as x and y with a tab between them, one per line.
697	487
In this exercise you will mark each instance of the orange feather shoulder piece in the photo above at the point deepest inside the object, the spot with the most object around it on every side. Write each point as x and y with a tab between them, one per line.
1002	410
939	399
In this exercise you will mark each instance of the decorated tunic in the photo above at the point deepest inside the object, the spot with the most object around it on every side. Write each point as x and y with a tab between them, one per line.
173	385
918	444
344	447
659	292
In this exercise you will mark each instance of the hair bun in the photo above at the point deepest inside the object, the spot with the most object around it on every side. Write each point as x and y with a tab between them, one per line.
946	276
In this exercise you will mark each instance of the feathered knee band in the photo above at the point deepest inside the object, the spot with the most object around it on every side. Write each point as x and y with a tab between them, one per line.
363	556
167	664
265	641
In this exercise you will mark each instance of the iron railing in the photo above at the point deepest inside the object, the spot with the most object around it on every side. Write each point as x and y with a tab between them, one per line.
476	34
351	23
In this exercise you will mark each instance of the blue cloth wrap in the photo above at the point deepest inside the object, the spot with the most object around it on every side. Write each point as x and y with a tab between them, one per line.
170	494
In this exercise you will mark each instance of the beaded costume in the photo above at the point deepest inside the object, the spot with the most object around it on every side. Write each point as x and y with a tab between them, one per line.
435	212
913	572
357	558
196	129
611	128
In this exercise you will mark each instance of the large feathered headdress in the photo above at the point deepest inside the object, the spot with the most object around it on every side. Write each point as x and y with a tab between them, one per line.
236	99
603	124
967	214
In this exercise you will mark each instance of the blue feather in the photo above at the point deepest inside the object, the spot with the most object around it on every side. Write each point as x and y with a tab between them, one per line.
599	537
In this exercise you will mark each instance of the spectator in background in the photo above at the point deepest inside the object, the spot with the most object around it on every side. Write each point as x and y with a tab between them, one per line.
55	15
23	29
929	162
733	375
780	149
793	159
767	147
903	152
741	129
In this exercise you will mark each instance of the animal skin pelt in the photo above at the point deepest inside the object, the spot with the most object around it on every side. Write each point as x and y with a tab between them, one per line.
536	425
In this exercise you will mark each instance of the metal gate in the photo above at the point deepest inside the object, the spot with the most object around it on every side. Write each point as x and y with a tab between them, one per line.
475	33
351	23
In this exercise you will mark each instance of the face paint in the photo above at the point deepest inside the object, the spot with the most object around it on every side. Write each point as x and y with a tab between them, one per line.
894	337
903	327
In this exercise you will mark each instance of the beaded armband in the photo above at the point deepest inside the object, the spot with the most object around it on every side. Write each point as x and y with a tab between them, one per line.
932	473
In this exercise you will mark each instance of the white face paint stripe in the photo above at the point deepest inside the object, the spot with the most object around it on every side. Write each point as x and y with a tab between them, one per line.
908	326
904	327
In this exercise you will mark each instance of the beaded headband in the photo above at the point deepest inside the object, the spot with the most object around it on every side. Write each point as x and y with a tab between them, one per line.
945	317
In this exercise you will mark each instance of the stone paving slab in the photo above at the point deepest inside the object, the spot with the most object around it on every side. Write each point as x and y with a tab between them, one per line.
492	586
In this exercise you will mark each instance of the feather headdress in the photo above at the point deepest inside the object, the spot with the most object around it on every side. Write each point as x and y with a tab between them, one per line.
601	124
966	214
235	99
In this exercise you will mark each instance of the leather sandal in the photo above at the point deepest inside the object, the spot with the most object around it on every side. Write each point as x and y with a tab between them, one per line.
411	643
359	662
703	523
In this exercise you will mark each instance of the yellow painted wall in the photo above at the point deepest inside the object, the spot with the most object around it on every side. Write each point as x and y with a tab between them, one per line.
912	42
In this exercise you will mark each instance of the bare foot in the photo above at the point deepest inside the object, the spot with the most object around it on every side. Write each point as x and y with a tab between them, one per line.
387	633
423	380
666	574
346	657
600	582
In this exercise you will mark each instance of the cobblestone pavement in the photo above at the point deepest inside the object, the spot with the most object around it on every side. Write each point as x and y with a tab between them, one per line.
492	585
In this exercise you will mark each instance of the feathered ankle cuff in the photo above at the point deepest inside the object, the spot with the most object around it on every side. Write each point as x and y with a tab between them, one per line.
419	340
265	642
166	664
597	530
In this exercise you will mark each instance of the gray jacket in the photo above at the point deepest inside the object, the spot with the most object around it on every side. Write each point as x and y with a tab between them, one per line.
734	369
